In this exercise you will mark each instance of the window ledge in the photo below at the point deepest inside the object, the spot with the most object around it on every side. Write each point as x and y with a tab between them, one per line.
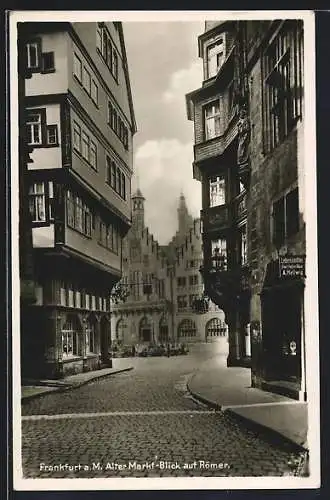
89	237
79	154
46	71
74	357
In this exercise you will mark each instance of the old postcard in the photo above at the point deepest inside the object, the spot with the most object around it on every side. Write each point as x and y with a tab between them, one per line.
164	250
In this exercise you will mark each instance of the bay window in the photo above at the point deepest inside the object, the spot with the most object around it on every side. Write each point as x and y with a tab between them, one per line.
217	191
37	202
219	254
212	120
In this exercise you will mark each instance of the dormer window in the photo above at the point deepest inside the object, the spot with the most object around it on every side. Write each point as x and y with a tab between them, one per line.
216	56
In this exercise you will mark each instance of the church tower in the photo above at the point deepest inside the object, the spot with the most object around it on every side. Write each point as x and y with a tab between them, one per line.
138	211
184	218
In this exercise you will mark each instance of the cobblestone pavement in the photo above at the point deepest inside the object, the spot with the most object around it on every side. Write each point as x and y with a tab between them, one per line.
143	423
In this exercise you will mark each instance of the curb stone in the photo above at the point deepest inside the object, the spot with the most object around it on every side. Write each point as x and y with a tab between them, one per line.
69	387
251	424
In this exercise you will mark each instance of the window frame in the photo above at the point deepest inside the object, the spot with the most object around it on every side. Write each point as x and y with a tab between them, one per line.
86	80
48	129
282	94
78	75
37	43
220	41
215	116
217	183
51	68
291	221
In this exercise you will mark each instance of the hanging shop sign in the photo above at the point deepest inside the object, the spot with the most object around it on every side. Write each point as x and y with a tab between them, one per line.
292	266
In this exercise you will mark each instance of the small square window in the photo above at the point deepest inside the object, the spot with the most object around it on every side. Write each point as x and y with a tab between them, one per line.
52	135
47	62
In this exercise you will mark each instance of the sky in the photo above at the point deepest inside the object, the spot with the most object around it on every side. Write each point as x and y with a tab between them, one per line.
163	66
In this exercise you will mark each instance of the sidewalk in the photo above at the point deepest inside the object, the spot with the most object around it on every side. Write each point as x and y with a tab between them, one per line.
34	389
230	389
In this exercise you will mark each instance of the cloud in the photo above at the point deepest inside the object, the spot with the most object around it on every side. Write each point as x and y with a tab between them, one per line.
183	81
164	168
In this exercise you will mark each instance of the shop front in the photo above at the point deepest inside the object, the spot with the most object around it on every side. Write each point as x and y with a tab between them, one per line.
282	304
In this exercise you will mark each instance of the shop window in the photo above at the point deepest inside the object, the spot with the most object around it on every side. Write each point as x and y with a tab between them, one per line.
70	339
217	191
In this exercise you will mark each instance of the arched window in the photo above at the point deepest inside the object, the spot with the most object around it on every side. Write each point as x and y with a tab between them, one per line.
216	328
121	329
187	328
71	337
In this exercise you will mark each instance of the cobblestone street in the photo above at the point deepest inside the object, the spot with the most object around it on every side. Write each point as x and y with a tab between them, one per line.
143	423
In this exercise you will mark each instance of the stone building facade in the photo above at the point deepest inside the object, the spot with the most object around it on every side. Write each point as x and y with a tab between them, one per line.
248	155
163	284
79	121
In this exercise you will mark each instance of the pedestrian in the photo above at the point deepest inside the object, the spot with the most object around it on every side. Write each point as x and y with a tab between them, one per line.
133	351
168	350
